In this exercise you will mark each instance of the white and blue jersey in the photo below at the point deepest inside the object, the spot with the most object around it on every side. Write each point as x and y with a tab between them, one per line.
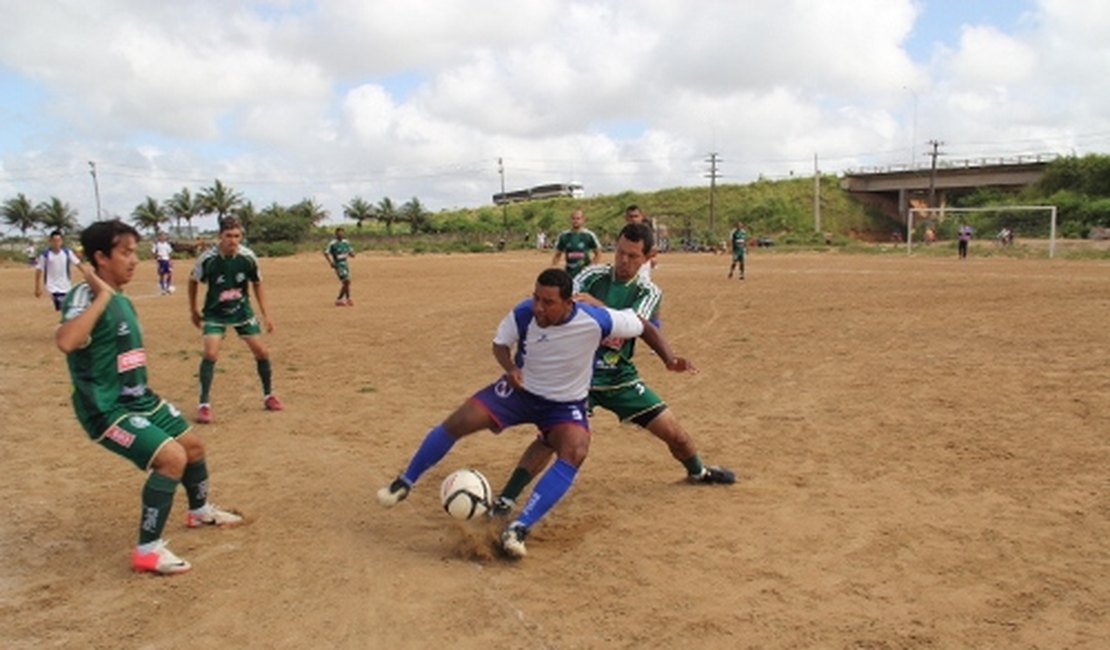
557	361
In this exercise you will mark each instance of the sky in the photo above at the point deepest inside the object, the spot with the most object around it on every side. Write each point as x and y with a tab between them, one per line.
335	99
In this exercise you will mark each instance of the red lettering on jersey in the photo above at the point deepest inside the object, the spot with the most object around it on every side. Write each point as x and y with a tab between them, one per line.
231	294
130	360
120	436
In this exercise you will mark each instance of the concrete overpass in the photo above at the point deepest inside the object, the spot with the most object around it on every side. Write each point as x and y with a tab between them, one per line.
894	190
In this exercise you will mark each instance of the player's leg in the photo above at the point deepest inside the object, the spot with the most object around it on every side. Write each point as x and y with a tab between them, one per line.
571	442
741	262
664	424
251	333
534	459
213	335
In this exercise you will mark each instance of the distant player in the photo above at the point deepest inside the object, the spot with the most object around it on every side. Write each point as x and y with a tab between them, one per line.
230	269
633	214
616	384
580	246
964	239
336	253
102	339
739	240
53	268
163	255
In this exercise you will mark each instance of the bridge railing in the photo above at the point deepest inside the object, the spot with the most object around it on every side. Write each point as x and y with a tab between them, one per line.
960	163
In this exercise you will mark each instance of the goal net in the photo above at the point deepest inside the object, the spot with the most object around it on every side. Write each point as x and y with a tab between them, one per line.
923	224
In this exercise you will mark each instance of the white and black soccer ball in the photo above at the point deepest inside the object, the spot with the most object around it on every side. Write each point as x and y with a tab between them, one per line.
466	494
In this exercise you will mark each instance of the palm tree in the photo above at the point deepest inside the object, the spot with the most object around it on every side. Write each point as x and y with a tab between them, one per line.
56	214
183	206
358	209
309	210
150	214
219	200
414	213
387	213
20	213
246	214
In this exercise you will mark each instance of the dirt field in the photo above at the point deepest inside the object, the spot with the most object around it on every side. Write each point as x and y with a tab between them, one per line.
923	447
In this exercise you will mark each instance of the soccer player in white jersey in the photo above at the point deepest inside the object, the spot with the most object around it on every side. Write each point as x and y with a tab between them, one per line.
163	254
545	383
53	268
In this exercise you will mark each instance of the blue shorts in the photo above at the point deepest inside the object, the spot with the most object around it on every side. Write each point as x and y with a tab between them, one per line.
164	267
508	406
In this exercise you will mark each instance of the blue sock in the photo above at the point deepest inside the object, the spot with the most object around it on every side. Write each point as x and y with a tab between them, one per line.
549	489
435	446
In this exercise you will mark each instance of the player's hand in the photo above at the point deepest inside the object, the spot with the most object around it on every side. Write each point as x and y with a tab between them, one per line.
682	364
38	292
588	299
268	324
516	378
195	317
98	285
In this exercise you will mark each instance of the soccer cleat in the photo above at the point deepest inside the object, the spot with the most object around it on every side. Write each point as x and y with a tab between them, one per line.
158	560
350	303
213	515
512	540
714	474
272	403
340	303
502	507
204	414
394	493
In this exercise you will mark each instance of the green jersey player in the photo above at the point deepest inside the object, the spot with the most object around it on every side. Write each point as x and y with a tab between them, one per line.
230	270
580	246
739	240
336	253
616	385
102	339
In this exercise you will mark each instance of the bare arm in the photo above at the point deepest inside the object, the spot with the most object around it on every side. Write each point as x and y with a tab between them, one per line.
260	295
555	260
74	333
38	282
504	357
654	338
194	315
597	256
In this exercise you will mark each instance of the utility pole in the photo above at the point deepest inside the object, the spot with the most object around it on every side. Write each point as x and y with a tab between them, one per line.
96	187
816	196
713	176
933	173
504	203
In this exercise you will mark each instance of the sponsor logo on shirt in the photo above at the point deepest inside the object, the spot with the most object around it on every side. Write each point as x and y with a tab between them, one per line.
130	360
123	329
133	391
120	436
228	295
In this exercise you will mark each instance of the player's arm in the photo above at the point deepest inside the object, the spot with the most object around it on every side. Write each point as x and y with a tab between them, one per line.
38	282
588	299
260	295
655	340
328	258
504	356
555	259
194	314
74	333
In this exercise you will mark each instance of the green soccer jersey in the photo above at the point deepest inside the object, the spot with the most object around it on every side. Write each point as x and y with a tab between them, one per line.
228	297
739	239
109	371
577	245
338	250
613	365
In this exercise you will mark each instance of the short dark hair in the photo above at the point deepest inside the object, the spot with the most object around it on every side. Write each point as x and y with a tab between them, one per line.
230	223
102	237
55	232
631	208
557	278
639	232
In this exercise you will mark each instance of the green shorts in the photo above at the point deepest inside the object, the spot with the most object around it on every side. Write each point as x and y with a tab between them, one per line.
250	327
632	403
738	255
139	436
342	271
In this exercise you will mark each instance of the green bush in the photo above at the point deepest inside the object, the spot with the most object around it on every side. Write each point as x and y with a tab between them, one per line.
274	249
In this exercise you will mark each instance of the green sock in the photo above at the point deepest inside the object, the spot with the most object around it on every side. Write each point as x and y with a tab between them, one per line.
195	481
517	482
157	502
264	374
207	372
693	465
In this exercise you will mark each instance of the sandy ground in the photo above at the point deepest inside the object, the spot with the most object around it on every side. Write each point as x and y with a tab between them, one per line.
923	448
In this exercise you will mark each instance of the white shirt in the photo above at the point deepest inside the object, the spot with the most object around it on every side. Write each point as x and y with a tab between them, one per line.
55	269
557	361
163	250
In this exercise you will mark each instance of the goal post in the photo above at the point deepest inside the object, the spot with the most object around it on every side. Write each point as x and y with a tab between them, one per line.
1051	209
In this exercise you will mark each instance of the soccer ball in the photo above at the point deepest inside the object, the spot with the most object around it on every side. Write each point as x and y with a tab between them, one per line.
172	289
466	494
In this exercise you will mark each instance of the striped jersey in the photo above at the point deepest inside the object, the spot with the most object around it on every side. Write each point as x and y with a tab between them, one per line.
613	365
